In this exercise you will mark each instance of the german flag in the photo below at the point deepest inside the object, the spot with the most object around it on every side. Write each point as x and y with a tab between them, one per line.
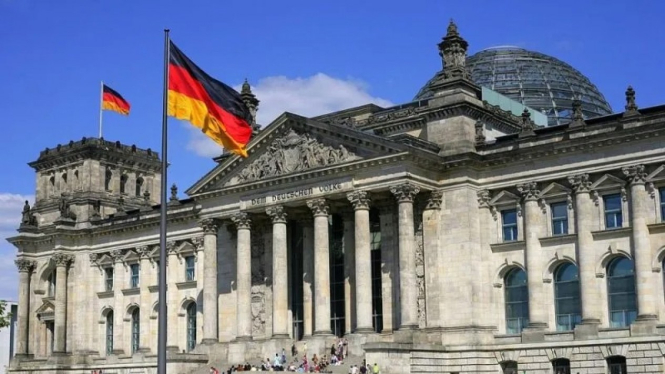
210	105
112	100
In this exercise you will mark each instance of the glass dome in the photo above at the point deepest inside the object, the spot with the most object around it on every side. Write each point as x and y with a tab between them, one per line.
536	80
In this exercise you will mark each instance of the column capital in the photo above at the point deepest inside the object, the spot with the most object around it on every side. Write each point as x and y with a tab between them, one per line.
435	200
242	220
197	241
484	198
62	259
24	265
580	183
171	247
209	226
94	258
529	191
143	251
319	207
277	214
635	174
405	192
359	199
117	255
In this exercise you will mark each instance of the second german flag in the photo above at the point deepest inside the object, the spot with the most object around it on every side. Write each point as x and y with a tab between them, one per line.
210	105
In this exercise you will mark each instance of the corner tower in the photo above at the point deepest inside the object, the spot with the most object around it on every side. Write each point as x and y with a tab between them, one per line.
91	179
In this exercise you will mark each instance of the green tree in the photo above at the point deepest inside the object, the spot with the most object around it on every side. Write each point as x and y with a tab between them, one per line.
5	317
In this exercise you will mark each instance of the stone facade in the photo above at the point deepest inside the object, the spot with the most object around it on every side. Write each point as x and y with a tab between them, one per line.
433	243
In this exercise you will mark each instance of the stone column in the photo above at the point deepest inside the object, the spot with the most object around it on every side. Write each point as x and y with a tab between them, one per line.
308	275
172	277
61	260
389	266
280	295
433	263
408	290
244	276
646	295
24	269
210	281
198	243
363	261
144	298
321	266
533	230
586	259
119	278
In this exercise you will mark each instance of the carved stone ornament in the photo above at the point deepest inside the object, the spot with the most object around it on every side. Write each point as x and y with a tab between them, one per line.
435	200
198	243
529	191
27	217
64	208
635	174
359	199
62	259
209	226
277	214
174	194
292	153
171	247
527	125
117	255
578	116
242	221
143	251
453	51
24	265
631	105
580	183
484	198
94	257
319	207
405	192
480	133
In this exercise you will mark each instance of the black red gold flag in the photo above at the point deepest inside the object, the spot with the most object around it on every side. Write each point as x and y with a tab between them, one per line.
112	100
210	105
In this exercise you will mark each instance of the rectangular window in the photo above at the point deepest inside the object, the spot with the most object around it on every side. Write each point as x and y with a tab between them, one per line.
108	279
134	273
509	224
661	193
612	203
190	268
559	218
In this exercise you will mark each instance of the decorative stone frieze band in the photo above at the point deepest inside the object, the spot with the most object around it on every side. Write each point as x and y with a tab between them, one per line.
529	191
319	207
405	192
435	200
209	226
62	259
359	199
277	214
635	174
242	220
580	183
24	265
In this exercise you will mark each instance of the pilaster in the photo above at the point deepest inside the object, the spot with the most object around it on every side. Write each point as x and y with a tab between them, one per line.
118	301
433	258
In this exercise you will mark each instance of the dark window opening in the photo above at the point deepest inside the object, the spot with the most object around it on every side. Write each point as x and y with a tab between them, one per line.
337	297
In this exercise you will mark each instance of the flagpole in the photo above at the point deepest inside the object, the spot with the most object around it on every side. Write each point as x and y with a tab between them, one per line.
162	328
101	107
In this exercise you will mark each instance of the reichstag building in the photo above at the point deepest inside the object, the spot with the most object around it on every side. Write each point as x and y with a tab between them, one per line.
505	221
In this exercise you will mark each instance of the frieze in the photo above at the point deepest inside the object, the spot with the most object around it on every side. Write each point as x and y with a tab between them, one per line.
296	194
292	153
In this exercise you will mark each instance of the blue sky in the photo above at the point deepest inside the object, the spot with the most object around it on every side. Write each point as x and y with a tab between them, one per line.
307	57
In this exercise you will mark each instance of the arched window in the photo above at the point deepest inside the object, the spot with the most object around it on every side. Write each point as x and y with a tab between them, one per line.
509	367
561	366
191	326
621	292
139	185
123	183
107	179
517	301
109	332
567	297
136	329
616	365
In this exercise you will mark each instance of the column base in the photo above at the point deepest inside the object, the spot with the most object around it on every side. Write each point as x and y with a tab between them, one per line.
643	327
172	348
322	332
208	341
364	330
533	334
118	352
59	354
407	327
243	338
587	330
143	350
646	317
281	336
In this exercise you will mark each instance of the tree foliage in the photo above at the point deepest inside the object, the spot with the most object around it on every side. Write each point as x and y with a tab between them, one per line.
5	316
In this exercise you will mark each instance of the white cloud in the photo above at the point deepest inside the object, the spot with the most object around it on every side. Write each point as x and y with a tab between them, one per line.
11	206
311	96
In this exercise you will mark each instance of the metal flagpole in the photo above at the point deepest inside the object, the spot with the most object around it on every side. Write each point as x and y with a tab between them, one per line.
101	106
161	330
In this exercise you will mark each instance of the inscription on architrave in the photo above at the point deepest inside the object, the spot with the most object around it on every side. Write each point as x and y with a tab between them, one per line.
420	266
258	283
292	153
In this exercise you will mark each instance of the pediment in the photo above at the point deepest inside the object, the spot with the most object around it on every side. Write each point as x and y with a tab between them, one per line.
294	145
47	308
554	190
607	182
504	198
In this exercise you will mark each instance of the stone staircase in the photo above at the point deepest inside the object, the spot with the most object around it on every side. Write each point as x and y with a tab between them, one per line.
223	367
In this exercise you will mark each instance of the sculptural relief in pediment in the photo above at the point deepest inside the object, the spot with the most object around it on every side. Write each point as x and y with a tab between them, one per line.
292	153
